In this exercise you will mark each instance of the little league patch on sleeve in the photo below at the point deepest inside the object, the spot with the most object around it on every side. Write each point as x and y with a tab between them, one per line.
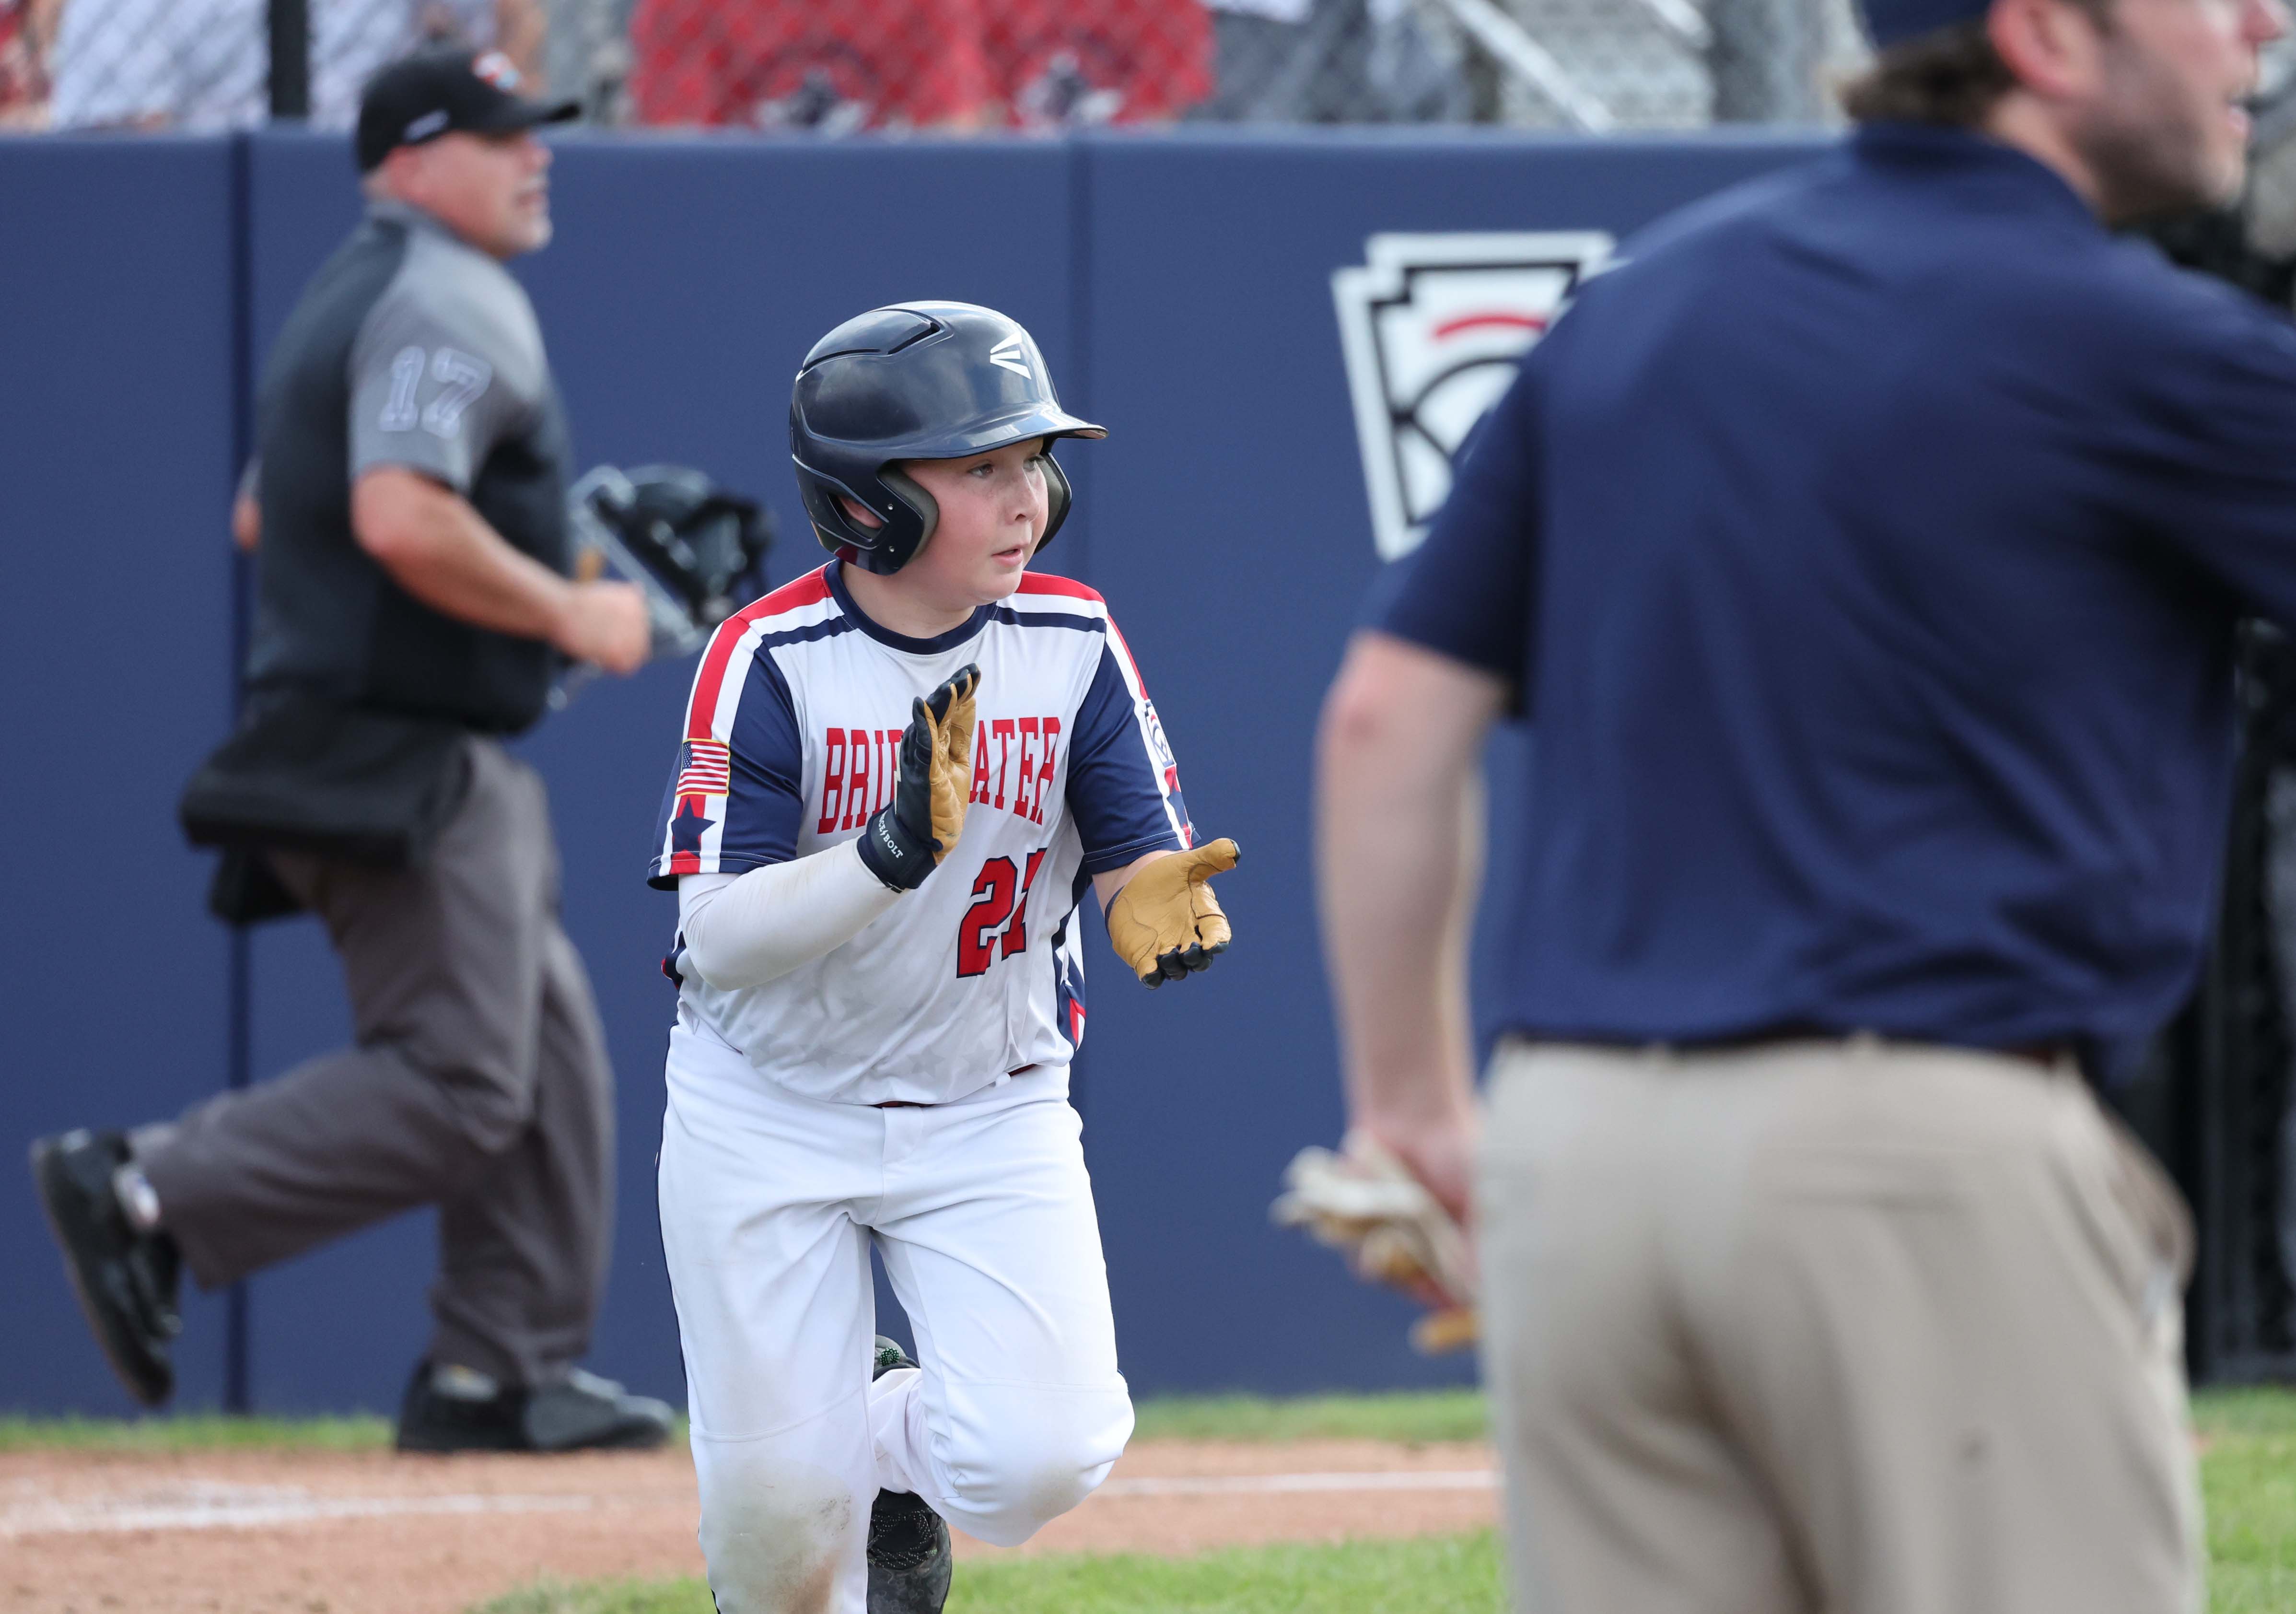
1431	327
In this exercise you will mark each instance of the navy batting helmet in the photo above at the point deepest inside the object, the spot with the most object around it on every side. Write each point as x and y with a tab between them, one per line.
916	382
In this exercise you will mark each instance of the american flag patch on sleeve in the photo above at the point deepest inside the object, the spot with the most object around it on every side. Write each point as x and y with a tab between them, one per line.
709	769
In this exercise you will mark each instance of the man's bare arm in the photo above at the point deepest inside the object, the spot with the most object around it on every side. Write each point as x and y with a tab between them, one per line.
1398	853
441	551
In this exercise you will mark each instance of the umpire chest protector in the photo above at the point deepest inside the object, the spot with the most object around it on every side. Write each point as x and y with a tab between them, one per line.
412	349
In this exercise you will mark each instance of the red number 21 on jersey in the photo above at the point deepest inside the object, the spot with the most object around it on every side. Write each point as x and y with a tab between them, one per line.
1000	894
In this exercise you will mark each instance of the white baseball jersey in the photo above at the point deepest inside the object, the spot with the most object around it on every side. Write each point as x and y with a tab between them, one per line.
792	736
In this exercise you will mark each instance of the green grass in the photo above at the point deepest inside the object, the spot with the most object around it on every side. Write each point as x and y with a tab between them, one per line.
1408	1417
193	1432
605	1597
2248	1484
1426	1574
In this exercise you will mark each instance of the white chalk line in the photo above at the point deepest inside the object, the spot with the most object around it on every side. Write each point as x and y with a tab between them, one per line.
1251	1485
226	1507
261	1507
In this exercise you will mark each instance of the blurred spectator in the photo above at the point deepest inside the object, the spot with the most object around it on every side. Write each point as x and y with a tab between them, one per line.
835	66
828	66
350	39
1332	61
204	65
1061	62
27	29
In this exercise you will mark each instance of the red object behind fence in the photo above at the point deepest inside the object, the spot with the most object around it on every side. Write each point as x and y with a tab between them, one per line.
838	65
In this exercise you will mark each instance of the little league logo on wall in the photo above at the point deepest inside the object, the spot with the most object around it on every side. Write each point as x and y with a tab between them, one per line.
1431	326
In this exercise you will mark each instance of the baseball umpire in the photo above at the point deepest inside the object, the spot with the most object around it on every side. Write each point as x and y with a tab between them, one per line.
415	605
1864	556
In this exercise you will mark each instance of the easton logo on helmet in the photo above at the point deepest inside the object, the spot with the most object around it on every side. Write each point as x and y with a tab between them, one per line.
1012	356
1431	327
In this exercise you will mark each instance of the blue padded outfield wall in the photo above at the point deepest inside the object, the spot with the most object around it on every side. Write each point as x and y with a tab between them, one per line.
1179	285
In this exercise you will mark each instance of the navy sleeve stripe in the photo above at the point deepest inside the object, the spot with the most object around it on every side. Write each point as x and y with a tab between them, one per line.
1048	618
1118	788
828	627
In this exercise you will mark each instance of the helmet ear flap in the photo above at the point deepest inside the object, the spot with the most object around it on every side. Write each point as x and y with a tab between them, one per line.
884	550
834	528
1057	497
922	504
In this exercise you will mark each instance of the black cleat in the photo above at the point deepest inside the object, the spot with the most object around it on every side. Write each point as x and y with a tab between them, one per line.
581	1413
125	1279
909	1556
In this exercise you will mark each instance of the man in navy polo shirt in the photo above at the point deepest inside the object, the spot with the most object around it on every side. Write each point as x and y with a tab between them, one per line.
1865	555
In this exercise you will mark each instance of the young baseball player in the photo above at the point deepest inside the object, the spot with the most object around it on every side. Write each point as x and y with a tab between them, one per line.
899	775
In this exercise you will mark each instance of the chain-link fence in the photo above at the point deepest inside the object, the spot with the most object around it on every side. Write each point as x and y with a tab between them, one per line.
207	65
832	67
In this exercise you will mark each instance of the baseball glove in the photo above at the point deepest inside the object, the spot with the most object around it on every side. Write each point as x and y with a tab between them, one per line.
1166	922
1363	1203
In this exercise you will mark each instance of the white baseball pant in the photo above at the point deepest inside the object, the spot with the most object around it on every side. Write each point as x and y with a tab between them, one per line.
984	1214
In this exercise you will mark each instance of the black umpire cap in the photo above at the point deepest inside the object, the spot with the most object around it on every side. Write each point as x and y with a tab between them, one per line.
428	95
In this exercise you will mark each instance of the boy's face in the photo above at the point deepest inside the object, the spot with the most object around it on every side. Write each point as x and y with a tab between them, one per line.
993	511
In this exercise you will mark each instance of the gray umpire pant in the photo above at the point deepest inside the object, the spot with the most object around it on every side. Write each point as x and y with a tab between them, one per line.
479	1083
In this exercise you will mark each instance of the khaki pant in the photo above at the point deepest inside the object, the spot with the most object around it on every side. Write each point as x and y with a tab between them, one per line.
479	1083
1832	1326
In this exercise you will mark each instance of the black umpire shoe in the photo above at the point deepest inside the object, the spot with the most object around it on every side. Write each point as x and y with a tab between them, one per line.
460	1410
125	1279
909	1557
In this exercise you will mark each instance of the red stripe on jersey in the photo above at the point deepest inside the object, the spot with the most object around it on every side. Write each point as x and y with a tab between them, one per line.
1171	781
1124	654
810	589
1045	583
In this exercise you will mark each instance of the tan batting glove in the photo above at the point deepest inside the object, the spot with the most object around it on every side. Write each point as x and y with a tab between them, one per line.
905	839
950	717
1166	922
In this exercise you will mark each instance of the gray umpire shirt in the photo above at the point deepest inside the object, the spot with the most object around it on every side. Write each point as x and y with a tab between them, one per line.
411	348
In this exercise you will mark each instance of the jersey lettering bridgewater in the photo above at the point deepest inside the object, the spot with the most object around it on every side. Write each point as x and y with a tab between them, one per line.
793	740
859	764
1045	732
857	776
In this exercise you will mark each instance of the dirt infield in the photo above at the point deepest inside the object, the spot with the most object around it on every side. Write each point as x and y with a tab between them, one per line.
371	1533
